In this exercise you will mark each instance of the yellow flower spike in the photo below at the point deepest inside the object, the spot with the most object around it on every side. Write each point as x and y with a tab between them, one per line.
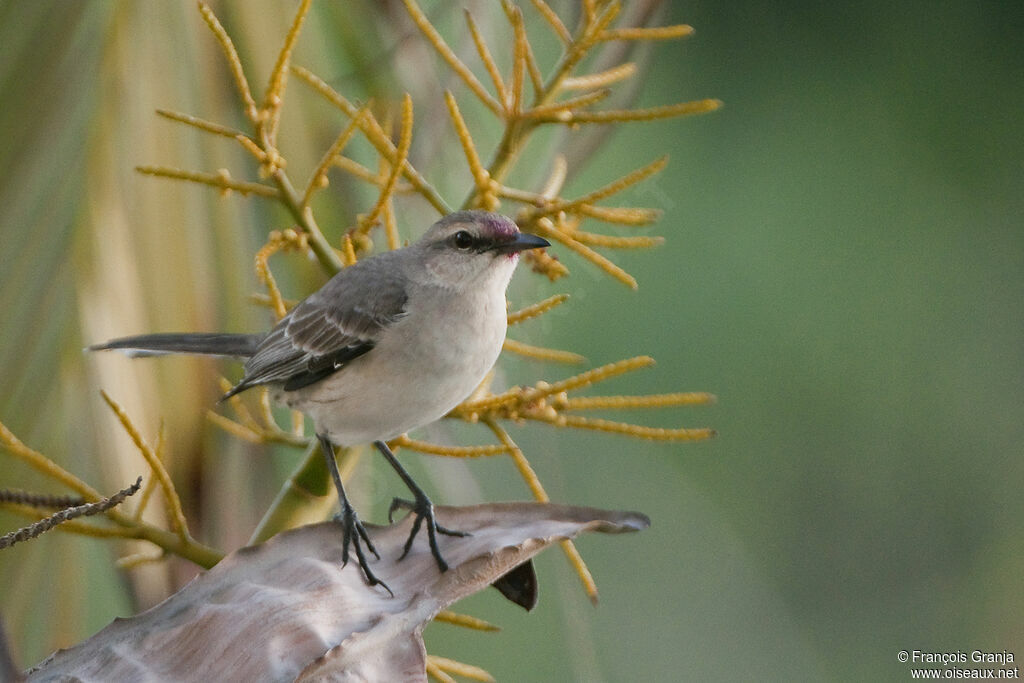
249	104
614	242
446	53
537	309
447	451
555	181
318	179
564	110
488	60
601	79
465	621
435	672
530	477
138	559
647	33
628	402
401	154
544	263
520	396
273	245
480	176
237	405
391	226
151	483
663	112
45	466
235	429
348	249
174	508
443	664
620	215
201	124
219	180
628	180
375	134
519	48
279	75
554	21
542	353
546	228
624	428
515	18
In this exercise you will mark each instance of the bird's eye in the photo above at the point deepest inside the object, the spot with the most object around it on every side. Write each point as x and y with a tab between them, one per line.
462	240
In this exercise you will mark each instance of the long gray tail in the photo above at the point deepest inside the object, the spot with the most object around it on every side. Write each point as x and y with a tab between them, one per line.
207	344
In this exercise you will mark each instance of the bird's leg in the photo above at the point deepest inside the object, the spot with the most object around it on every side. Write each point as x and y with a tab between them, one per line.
421	507
351	528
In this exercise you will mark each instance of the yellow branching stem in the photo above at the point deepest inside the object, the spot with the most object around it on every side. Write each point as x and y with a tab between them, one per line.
201	124
485	190
540	261
631	402
272	100
523	47
619	216
563	110
252	430
138	559
401	155
446	53
176	513
318	179
530	477
375	134
559	171
278	240
624	115
465	621
151	484
613	242
45	466
231	54
601	79
391	226
653	33
489	63
542	353
437	673
546	228
517	396
554	21
440	667
221	180
637	431
446	451
537	309
614	187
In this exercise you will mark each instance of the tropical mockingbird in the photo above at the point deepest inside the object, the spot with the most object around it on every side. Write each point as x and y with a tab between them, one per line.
389	344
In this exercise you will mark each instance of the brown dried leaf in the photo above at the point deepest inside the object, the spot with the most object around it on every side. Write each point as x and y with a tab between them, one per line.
288	610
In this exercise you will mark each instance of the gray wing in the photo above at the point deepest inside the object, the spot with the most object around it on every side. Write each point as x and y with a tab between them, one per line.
339	322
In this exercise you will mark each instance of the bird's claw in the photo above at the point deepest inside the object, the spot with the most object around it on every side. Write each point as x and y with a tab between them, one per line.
423	509
354	535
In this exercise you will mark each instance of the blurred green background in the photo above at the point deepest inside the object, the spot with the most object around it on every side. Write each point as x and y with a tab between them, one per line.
844	268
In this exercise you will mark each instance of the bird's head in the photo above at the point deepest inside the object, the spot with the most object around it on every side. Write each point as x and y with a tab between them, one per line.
474	249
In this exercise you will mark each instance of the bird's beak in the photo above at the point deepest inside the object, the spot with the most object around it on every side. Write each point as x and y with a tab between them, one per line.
522	242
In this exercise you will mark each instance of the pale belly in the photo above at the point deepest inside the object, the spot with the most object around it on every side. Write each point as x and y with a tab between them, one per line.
397	387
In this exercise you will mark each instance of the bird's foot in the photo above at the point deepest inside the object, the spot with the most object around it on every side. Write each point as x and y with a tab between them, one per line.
424	510
354	535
